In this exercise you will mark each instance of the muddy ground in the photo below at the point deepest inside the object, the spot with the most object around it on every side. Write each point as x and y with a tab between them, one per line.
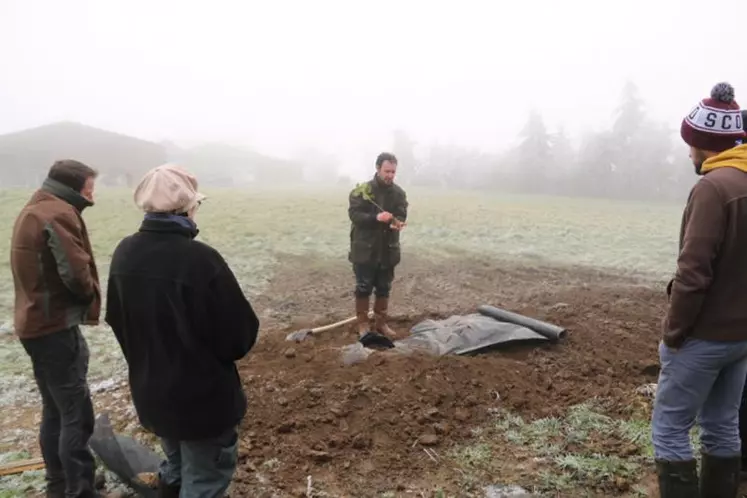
361	430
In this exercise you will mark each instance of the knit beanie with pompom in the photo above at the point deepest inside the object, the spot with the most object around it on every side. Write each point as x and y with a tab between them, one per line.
716	123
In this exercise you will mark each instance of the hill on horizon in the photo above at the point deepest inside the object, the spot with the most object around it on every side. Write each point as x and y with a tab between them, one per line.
26	155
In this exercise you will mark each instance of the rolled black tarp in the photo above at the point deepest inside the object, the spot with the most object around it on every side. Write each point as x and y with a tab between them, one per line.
124	456
552	332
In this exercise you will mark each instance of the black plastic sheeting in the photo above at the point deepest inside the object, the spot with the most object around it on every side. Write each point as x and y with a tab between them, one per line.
124	456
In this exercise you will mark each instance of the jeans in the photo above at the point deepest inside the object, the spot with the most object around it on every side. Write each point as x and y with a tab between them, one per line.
60	362
373	278
743	425
702	379
203	468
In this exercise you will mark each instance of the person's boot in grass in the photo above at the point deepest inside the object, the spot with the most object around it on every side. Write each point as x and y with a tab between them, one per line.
678	479
381	309
719	477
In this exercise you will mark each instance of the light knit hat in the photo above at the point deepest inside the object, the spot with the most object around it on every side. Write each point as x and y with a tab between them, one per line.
167	189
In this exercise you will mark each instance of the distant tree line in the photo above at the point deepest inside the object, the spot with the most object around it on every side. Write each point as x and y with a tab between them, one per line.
637	158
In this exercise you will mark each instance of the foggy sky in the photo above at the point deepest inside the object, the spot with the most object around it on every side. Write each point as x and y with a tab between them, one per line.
341	75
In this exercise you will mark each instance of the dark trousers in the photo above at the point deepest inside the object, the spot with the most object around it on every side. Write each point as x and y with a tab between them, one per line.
371	279
60	362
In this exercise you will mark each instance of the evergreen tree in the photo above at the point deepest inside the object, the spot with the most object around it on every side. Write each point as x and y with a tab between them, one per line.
404	149
534	154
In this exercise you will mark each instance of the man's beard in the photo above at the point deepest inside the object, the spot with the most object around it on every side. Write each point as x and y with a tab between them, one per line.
698	160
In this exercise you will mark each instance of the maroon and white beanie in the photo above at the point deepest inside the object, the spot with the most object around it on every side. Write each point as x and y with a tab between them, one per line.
716	123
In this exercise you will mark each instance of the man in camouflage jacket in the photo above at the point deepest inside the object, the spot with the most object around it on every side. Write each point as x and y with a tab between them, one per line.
378	212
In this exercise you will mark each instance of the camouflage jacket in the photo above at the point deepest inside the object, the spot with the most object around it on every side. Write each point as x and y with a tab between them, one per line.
371	241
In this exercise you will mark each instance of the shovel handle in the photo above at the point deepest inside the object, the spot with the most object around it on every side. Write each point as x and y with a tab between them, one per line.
21	466
331	326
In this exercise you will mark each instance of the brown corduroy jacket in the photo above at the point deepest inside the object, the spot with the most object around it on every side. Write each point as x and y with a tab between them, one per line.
54	271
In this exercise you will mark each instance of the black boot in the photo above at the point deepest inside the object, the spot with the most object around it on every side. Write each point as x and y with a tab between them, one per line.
678	479
719	477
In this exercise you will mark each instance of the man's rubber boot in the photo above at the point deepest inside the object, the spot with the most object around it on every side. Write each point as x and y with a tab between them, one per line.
363	324
678	479
369	338
381	307
719	476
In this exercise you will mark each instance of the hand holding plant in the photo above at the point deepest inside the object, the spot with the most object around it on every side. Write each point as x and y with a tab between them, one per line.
397	225
384	217
363	190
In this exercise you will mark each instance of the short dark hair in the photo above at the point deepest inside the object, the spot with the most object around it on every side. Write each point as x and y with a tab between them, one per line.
71	173
385	156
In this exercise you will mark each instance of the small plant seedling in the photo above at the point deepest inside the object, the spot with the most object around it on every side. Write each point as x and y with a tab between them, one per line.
363	190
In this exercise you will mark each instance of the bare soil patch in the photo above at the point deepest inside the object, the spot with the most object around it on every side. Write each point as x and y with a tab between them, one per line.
361	430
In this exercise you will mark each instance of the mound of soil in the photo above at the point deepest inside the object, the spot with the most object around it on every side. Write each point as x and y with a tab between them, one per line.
361	430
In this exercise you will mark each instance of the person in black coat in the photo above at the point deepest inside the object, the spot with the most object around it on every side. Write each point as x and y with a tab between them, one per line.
182	322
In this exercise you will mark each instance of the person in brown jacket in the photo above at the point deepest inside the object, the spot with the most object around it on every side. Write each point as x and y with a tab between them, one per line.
743	406
703	351
57	290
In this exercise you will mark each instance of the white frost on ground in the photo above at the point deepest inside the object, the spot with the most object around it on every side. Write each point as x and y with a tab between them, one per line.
104	385
16	436
499	491
648	390
18	390
107	367
20	485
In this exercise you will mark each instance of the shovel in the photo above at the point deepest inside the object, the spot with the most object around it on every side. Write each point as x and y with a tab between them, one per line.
301	335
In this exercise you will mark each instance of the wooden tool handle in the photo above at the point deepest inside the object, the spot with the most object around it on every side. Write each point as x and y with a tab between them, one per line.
21	466
331	326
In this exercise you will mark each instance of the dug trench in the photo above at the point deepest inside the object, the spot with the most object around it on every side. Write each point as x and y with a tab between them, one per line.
361	430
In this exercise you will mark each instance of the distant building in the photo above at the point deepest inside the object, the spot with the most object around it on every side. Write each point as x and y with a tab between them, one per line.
25	156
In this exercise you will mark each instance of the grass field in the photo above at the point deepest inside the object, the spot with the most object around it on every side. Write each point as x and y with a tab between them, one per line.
253	228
